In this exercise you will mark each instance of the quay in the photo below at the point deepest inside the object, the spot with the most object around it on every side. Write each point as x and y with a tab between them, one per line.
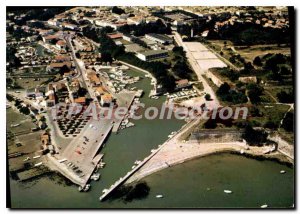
125	99
82	156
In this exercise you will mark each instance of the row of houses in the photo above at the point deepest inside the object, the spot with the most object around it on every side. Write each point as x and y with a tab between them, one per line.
106	99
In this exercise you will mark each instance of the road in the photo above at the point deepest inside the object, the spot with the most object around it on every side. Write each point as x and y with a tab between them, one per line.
214	103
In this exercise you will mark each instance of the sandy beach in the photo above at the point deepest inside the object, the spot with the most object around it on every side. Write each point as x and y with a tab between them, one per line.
174	152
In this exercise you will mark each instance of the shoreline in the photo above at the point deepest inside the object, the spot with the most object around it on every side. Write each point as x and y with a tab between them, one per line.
228	148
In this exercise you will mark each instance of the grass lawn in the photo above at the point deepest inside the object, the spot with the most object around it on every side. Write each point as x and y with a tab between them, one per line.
249	53
27	83
273	90
272	112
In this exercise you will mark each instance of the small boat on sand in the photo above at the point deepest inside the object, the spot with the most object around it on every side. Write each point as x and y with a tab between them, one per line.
15	125
264	206
159	196
227	191
38	164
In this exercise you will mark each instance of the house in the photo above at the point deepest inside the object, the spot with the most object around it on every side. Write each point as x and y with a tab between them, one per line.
61	44
106	100
115	35
74	86
80	100
127	37
99	91
48	38
30	92
45	138
68	74
52	22
69	26
93	78
136	20
62	58
152	55
58	65
50	102
250	79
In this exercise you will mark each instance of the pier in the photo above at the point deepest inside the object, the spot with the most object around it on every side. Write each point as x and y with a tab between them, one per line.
130	173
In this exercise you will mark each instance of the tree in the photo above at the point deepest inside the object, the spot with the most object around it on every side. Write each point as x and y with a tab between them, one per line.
286	97
274	60
248	66
254	92
254	111
288	122
178	49
271	125
117	10
81	92
223	89
254	137
257	61
106	57
207	97
25	110
63	69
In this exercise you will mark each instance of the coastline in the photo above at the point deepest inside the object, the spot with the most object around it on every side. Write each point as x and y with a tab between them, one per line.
176	157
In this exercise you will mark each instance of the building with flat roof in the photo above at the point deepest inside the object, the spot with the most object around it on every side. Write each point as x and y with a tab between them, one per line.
134	48
160	38
152	55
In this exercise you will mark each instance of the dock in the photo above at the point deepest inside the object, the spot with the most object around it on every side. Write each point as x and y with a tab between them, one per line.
125	99
32	173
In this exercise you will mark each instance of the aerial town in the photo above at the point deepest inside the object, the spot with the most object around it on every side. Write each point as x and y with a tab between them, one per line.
68	69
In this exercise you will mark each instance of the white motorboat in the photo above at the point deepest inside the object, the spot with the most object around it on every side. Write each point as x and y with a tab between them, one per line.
87	187
282	172
264	206
95	176
227	191
159	196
